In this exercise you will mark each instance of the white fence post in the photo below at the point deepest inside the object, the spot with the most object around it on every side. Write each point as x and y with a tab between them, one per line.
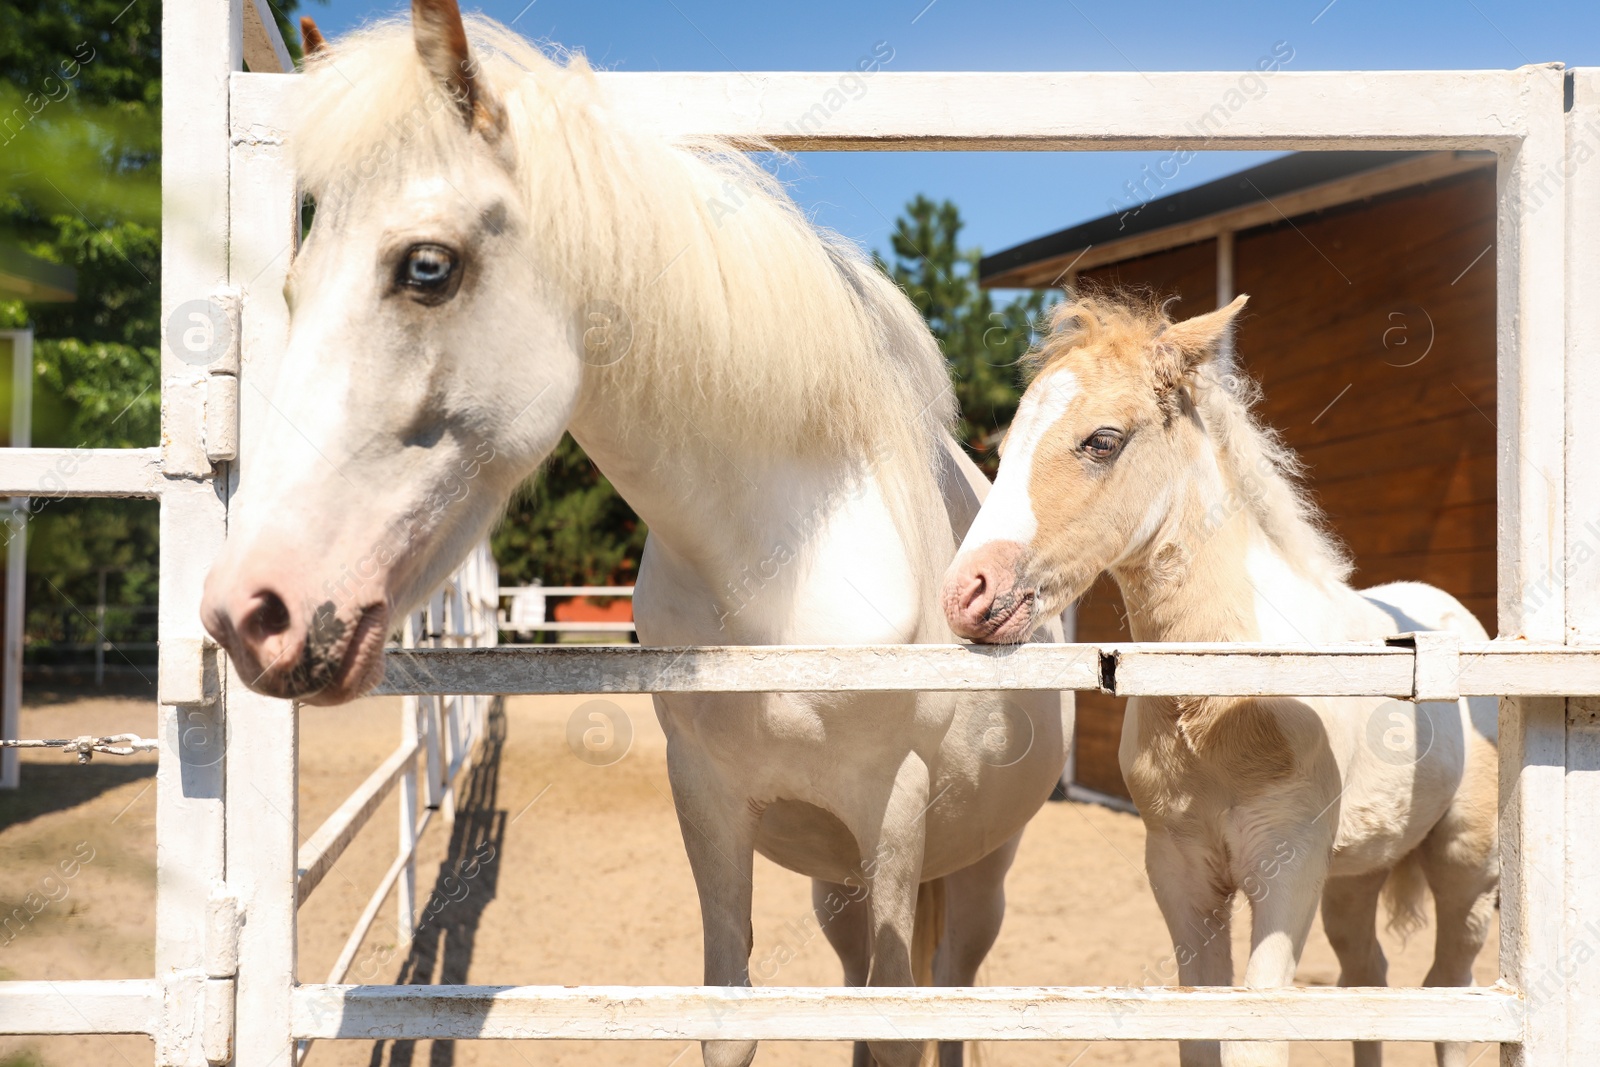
263	795
1531	326
1582	572
406	892
16	550
203	42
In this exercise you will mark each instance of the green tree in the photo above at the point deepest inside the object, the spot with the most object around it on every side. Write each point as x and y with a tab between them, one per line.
80	184
983	344
569	527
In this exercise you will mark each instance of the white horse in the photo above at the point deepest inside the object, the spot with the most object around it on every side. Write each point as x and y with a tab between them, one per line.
1135	453
498	256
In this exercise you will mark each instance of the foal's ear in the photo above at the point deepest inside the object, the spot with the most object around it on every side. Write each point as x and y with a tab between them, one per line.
1185	345
441	41
312	43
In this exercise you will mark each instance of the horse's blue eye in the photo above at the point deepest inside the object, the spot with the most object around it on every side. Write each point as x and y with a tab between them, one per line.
428	268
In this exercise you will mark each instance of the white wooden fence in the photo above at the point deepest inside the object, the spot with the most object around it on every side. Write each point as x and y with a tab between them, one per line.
443	729
225	982
515	625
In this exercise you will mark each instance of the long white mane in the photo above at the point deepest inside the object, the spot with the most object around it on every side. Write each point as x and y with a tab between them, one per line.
747	326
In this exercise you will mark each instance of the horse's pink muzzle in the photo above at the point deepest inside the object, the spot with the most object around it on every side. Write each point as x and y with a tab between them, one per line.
987	596
289	639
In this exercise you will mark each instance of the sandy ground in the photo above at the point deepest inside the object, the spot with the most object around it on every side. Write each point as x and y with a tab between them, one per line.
581	879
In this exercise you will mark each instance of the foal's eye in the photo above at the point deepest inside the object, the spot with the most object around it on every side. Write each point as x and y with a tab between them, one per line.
428	271
1103	443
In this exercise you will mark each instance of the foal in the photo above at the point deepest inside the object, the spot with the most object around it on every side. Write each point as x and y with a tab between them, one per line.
1135	452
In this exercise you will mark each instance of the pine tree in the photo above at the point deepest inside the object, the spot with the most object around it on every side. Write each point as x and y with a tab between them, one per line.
983	344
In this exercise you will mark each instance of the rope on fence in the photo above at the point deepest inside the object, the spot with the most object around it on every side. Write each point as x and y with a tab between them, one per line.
87	745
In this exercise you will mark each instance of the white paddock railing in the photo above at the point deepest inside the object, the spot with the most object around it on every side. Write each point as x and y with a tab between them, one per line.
225	986
1127	669
442	730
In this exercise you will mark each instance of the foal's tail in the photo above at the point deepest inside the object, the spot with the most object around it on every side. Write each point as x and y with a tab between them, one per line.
1405	893
927	930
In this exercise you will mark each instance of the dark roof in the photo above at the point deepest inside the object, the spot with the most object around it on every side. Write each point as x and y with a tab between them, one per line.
1276	177
25	277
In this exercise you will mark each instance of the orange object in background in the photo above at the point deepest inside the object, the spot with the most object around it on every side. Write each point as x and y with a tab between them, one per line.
585	609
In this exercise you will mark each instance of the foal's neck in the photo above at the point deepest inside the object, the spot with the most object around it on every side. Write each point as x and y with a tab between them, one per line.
1213	574
1194	584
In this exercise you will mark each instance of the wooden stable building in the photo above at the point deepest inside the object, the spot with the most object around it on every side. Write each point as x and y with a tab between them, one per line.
1371	330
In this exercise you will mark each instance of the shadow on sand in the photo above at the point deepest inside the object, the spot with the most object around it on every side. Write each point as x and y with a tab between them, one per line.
467	879
51	787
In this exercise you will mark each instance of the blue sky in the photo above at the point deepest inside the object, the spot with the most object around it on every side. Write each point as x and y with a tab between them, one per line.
1010	197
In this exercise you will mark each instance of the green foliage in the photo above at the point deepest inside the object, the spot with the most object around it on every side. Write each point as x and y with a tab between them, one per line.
982	343
80	113
97	360
80	185
569	527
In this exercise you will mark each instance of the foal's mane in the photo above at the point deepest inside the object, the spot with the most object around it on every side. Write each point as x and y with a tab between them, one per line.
1126	325
748	329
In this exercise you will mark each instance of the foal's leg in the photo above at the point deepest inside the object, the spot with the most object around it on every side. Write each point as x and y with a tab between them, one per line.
1280	918
894	872
1350	918
848	930
1461	860
1199	919
719	832
975	902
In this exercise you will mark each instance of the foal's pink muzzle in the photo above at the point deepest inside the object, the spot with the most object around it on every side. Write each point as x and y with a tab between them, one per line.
287	636
987	596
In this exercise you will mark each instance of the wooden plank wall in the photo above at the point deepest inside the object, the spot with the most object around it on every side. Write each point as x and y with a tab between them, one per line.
1371	331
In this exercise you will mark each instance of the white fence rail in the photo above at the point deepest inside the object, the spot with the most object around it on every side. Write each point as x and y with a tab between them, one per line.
635	1013
225	985
1490	669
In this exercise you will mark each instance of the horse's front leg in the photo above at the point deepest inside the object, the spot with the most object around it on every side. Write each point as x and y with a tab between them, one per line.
893	869
1199	916
975	903
719	833
1284	884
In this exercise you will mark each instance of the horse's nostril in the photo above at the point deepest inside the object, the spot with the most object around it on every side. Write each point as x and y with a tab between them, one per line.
270	617
976	587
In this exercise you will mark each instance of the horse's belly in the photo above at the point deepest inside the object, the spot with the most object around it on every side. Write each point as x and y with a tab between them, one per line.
1397	787
810	840
997	763
1002	758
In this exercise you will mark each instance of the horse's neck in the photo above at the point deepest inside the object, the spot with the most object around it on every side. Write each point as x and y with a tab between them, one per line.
767	547
1193	587
1228	581
683	486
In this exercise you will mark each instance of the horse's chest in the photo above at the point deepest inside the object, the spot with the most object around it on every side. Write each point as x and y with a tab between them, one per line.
844	578
1174	759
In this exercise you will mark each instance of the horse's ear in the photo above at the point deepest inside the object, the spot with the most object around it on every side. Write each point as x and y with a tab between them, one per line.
442	43
312	43
1185	345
